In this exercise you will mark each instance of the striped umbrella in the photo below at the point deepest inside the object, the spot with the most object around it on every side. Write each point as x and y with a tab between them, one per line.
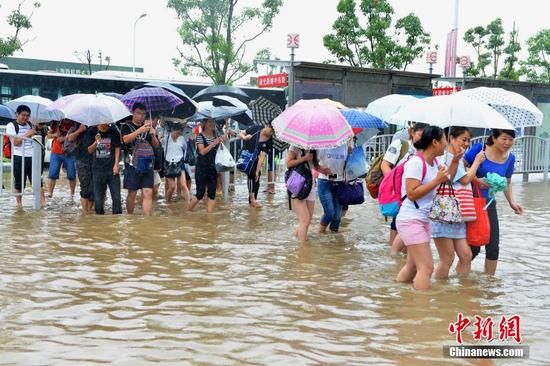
312	124
154	99
264	112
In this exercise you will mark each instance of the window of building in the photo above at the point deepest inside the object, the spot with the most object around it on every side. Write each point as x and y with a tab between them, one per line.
35	91
6	90
5	100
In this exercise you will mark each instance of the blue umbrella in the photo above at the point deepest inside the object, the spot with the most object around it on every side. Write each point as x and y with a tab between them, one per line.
6	113
360	119
217	113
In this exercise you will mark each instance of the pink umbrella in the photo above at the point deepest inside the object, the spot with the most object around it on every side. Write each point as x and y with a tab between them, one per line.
312	124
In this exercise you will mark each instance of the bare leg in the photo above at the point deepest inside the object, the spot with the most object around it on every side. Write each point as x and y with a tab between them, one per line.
194	202
147	201
170	188
210	206
51	187
464	253
393	233
301	209
72	184
491	266
131	201
422	257
18	199
446	251
397	245
184	191
407	273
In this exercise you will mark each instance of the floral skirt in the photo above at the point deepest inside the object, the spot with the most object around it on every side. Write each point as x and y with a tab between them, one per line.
450	231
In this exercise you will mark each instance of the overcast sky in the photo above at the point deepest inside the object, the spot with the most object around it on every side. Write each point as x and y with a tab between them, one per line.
63	26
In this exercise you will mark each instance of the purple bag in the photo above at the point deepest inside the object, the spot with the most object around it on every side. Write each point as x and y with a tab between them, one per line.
295	183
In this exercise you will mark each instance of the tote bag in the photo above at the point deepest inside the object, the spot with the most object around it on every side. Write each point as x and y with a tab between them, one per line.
478	232
224	161
445	207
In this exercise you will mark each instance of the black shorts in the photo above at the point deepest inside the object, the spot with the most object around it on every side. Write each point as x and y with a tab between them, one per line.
18	167
491	249
134	181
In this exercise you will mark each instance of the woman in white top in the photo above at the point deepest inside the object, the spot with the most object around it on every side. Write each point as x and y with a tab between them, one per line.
421	178
174	151
303	208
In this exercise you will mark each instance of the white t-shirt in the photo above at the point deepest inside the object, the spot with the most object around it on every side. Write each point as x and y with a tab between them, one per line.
413	169
335	160
460	171
27	144
392	154
175	151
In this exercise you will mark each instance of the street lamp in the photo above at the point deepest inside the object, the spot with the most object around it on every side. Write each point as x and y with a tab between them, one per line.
134	58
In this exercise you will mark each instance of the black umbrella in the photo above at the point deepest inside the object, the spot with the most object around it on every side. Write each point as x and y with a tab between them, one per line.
263	112
217	113
214	90
244	119
185	110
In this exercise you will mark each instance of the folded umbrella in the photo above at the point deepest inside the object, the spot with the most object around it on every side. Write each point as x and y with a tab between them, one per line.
517	109
154	99
452	110
37	105
186	109
95	109
312	124
216	90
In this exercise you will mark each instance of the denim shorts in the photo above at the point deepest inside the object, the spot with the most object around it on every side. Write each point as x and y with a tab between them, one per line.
55	166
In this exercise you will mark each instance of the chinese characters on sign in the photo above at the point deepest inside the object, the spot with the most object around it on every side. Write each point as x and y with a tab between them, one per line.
445	91
273	81
508	328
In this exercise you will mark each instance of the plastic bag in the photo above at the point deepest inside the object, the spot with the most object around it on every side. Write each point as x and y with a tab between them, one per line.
224	161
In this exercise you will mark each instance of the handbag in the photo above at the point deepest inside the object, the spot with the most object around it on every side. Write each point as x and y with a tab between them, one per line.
465	198
190	155
478	232
351	193
357	164
170	169
445	207
247	159
299	180
224	161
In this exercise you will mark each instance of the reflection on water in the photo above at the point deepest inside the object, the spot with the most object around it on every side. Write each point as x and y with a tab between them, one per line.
234	288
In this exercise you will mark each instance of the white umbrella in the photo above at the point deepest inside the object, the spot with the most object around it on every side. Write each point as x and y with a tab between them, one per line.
95	109
60	103
385	107
452	110
37	105
513	106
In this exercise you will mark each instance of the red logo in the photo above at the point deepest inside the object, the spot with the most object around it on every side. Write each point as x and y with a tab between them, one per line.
483	328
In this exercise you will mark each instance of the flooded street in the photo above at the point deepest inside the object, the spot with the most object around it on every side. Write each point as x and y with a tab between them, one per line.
235	288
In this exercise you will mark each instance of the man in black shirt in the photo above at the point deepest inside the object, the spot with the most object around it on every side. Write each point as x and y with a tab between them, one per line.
83	163
104	145
134	133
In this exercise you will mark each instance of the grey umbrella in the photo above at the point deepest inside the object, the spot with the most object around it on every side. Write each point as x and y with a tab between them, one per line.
214	90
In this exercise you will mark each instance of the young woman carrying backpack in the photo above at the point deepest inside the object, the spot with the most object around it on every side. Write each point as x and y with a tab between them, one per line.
421	177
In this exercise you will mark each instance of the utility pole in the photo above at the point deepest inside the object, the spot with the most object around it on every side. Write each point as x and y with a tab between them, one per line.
292	42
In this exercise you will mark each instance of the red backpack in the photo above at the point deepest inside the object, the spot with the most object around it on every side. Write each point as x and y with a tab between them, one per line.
390	196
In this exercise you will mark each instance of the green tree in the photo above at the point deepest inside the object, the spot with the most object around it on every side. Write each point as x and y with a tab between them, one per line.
537	65
210	31
495	43
512	48
19	21
367	40
477	38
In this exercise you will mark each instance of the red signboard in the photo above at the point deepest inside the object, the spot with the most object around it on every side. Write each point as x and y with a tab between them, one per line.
445	91
272	81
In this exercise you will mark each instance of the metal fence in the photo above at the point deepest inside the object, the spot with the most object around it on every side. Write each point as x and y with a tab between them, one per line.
10	167
532	153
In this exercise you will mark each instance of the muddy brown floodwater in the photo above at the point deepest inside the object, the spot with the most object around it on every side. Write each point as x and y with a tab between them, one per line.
235	288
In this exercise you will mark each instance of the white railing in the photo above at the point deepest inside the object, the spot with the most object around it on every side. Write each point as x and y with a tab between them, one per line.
376	146
36	170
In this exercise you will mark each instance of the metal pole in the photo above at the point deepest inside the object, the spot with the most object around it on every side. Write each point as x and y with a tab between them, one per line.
291	77
134	48
546	158
36	173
